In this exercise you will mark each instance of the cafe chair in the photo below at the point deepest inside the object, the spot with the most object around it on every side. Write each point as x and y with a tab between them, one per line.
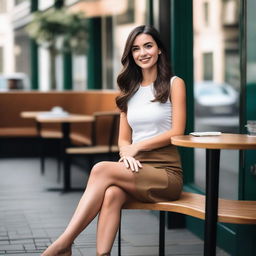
47	134
104	143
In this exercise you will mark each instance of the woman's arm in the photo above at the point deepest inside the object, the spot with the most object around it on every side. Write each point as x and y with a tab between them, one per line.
178	100
125	131
124	141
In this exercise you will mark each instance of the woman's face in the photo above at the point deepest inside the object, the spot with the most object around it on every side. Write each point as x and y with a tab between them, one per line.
145	51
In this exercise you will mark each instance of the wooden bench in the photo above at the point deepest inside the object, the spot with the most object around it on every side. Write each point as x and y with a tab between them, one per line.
13	126
192	204
106	123
86	102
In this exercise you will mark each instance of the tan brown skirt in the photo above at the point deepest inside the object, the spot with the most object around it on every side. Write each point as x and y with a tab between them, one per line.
160	178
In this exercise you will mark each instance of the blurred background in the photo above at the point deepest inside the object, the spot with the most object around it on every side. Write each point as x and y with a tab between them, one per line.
211	46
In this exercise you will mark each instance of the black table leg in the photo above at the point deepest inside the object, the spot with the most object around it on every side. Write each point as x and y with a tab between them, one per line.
211	204
41	146
161	233
65	144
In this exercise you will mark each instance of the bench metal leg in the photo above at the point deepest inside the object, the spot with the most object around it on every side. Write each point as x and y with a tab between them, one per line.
59	161
119	239
161	233
67	170
211	205
42	155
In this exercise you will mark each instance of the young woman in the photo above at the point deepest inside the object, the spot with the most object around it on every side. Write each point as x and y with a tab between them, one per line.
153	109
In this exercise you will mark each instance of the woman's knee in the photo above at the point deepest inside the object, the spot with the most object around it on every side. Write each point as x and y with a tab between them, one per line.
114	196
100	168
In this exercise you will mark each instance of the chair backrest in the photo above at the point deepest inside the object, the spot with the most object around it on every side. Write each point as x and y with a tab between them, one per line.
105	128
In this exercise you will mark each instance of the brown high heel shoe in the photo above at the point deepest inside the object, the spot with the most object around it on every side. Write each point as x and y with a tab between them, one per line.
61	252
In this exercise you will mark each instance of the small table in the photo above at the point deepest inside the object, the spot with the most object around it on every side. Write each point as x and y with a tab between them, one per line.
32	115
65	122
213	145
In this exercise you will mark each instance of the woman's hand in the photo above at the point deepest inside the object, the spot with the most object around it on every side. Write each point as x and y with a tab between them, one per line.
129	150
131	162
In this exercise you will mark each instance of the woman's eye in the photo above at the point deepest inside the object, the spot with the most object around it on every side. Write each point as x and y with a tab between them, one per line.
148	46
135	49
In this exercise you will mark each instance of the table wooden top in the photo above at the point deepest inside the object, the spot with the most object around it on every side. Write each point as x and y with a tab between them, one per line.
71	118
46	117
30	114
223	141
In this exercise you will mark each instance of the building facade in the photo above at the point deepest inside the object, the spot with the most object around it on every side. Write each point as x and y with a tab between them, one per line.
209	42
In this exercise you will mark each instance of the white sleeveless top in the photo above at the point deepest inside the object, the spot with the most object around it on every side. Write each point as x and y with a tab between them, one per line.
146	118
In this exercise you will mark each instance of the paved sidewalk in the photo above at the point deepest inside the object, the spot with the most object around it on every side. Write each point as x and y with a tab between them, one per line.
32	216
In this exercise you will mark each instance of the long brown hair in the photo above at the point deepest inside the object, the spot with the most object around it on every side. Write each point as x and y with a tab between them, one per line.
131	76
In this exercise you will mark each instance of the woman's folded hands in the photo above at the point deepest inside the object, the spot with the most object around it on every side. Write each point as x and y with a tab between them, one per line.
127	154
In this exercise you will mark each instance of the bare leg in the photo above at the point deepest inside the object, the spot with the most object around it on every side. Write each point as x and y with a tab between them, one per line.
103	175
109	219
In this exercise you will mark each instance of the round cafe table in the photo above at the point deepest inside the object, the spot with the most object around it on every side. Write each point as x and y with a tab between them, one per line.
213	145
65	122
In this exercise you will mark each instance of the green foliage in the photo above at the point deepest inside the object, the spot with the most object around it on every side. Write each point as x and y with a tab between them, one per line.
59	29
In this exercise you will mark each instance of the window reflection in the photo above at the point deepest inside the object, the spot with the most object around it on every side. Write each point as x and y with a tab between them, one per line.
44	4
217	83
115	31
251	61
20	1
79	72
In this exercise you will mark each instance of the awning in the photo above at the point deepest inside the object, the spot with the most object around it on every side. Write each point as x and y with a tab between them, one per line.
98	8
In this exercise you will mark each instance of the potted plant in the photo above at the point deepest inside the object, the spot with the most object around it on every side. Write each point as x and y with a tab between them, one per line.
60	31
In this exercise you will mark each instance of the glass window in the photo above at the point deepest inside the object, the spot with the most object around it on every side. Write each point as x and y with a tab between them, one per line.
115	32
59	71
208	66
128	16
3	6
251	61
1	60
108	52
230	12
216	87
44	4
206	13
22	52
79	69
20	1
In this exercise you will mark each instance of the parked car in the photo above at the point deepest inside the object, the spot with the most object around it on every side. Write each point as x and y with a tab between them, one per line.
15	81
213	99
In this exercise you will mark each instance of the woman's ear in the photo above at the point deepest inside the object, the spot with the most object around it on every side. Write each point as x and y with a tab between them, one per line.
159	52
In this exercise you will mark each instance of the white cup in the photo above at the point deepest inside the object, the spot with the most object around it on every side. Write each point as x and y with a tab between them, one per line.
251	127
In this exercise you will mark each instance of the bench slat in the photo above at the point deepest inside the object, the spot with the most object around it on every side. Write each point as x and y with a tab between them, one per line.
92	150
192	204
18	132
51	134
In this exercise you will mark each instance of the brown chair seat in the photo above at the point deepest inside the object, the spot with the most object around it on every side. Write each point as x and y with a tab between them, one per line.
192	204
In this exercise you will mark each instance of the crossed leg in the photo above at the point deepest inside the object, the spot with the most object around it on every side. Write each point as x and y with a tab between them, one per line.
109	219
103	176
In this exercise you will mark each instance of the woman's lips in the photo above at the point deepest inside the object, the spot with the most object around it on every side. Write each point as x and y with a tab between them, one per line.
145	60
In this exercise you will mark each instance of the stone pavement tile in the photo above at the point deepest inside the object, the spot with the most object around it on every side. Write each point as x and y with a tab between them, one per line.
4	242
32	217
184	249
139	251
11	247
29	247
23	254
22	241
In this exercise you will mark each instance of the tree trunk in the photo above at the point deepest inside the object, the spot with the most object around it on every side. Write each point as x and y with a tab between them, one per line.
53	82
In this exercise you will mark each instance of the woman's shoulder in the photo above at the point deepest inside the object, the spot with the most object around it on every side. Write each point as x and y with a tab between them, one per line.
176	80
